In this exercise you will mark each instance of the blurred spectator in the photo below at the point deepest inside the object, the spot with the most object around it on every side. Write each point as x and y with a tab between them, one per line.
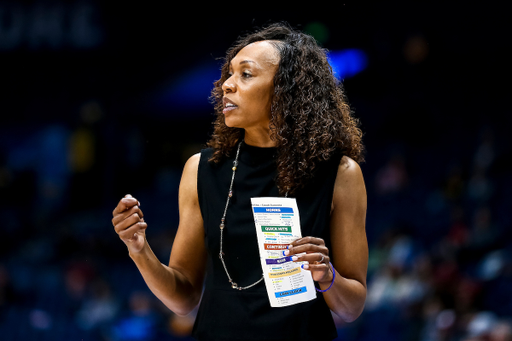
496	271
481	325
77	278
392	177
458	232
483	234
485	154
99	309
480	187
140	323
84	155
502	331
400	282
44	154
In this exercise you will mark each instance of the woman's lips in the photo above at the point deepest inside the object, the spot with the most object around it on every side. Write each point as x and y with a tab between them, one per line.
228	105
228	109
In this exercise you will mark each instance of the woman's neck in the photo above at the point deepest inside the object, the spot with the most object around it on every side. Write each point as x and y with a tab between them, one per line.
260	138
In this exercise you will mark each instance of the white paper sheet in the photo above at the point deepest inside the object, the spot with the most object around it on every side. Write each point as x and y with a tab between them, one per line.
277	224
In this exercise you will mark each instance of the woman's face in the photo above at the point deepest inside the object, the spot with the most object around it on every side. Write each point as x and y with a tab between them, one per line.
249	89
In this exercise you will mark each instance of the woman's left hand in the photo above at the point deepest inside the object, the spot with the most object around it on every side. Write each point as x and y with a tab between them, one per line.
316	254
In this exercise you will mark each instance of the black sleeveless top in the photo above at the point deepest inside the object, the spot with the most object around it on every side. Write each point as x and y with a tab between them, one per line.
228	314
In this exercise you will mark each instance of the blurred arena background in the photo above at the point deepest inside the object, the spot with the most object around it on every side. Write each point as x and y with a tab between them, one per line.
100	99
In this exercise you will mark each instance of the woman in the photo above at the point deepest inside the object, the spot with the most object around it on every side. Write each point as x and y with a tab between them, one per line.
283	128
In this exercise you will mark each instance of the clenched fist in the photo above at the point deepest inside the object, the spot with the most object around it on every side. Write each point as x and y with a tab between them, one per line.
129	224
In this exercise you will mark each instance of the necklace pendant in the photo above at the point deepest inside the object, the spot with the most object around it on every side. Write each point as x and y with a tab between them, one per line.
222	226
234	285
230	194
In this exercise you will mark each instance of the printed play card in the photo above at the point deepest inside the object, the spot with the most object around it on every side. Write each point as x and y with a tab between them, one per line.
277	225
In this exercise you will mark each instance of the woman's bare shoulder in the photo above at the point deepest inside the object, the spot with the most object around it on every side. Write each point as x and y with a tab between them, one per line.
348	170
192	164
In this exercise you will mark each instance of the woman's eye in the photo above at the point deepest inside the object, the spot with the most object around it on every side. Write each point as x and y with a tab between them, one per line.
246	75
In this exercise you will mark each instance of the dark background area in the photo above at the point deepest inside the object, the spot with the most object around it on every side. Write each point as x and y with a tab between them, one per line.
102	99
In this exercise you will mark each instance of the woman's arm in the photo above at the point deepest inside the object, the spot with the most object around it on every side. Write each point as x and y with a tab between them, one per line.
348	242
180	284
349	254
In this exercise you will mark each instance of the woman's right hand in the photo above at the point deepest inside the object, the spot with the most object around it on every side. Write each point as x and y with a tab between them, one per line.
128	221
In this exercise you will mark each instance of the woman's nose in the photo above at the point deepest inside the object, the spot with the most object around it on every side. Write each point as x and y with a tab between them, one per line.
228	85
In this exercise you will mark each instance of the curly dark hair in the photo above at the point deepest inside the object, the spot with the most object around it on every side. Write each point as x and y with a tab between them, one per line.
310	117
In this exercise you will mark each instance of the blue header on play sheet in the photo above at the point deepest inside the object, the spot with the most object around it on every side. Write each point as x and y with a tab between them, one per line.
291	292
273	210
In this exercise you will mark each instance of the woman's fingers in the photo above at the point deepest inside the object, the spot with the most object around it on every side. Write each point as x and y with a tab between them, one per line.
318	267
125	203
308	240
128	222
126	206
312	258
315	255
128	217
321	272
119	217
308	245
129	233
310	249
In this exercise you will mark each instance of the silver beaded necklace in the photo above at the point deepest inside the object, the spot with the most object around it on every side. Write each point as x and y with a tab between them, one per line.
234	285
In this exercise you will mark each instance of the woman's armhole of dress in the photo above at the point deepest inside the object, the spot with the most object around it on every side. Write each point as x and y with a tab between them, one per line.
203	160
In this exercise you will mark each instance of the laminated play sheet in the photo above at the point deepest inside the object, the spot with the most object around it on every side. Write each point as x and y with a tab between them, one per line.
277	224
